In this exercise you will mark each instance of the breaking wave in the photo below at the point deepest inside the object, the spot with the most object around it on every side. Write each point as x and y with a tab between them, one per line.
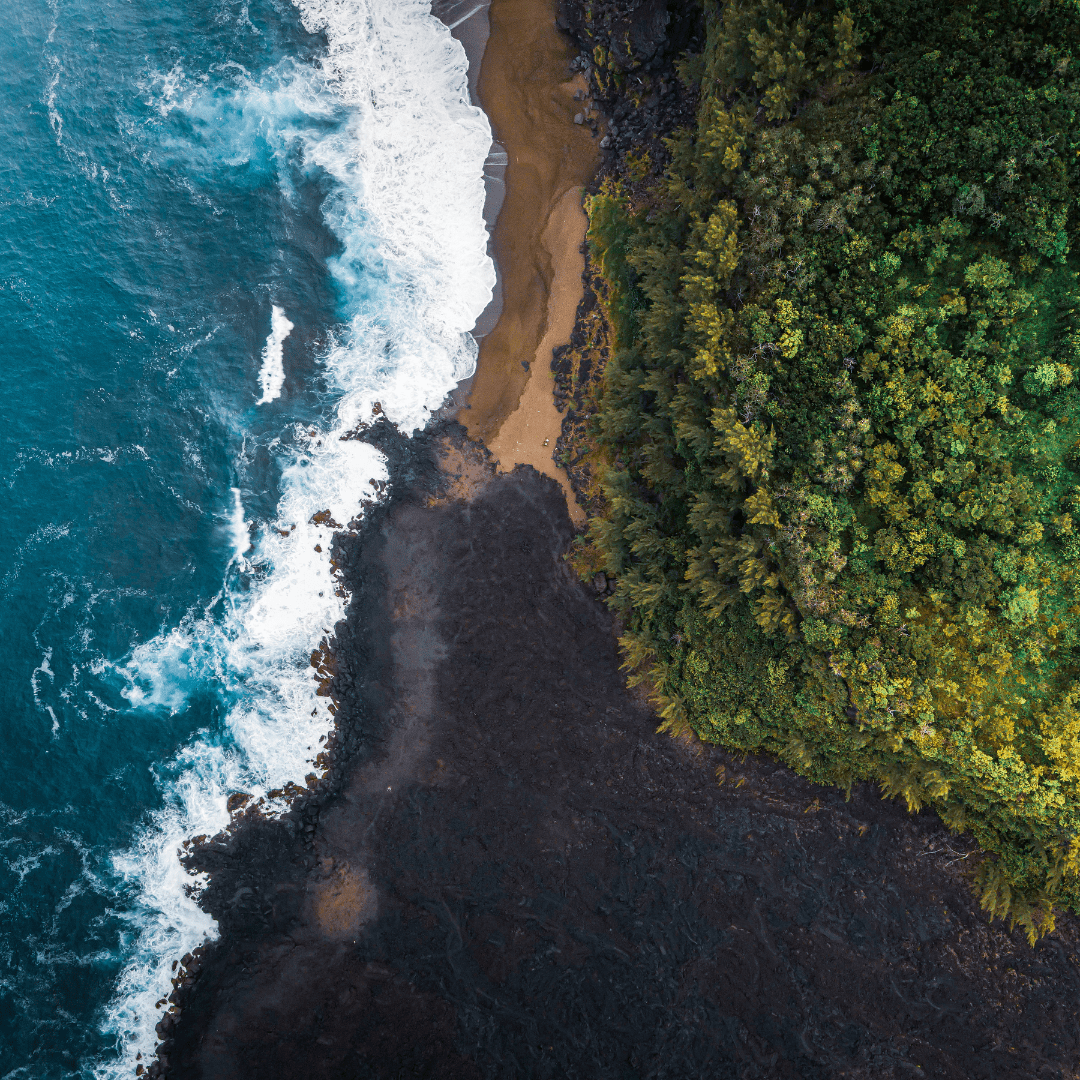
384	122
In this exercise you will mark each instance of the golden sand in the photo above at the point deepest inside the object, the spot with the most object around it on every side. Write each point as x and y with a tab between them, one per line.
537	239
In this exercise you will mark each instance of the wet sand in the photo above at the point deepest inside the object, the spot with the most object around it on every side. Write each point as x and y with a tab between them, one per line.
525	90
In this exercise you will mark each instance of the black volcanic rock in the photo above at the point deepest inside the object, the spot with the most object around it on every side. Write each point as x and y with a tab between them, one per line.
518	878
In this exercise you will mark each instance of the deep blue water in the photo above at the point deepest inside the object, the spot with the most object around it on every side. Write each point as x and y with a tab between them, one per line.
173	172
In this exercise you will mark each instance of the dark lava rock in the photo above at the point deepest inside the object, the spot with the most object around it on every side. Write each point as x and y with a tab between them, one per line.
517	877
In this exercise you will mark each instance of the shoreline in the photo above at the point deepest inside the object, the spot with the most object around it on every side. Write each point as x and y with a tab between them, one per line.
508	855
504	854
470	24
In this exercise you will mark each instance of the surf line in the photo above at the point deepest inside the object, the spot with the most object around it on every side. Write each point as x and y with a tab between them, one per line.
406	140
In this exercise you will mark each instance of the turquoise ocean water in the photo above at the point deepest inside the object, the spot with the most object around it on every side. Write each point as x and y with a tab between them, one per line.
228	229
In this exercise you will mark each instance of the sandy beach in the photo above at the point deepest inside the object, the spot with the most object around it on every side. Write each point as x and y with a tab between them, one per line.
525	90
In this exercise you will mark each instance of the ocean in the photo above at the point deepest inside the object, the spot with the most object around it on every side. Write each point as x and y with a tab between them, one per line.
230	228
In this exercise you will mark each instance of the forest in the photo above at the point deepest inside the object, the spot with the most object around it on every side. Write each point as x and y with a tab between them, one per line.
840	423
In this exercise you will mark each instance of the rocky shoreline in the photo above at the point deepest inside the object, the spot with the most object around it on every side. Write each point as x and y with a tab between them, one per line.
506	872
629	51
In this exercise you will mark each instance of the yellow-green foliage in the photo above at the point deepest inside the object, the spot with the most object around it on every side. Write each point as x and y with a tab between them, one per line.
842	419
637	165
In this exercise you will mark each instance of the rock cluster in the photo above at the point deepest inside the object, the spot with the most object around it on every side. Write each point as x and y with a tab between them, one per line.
629	49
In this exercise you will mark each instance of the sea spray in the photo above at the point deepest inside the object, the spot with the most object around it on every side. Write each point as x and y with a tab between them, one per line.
249	649
407	208
239	529
272	375
404	158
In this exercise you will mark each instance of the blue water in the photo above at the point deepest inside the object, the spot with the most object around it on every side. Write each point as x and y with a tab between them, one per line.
229	228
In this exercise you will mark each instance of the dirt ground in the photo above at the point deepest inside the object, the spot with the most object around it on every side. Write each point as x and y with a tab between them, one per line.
509	874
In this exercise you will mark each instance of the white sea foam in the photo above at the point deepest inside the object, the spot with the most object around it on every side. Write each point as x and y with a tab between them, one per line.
238	526
272	375
405	151
251	647
43	668
408	208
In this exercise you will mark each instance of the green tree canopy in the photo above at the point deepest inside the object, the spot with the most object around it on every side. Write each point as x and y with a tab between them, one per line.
841	421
